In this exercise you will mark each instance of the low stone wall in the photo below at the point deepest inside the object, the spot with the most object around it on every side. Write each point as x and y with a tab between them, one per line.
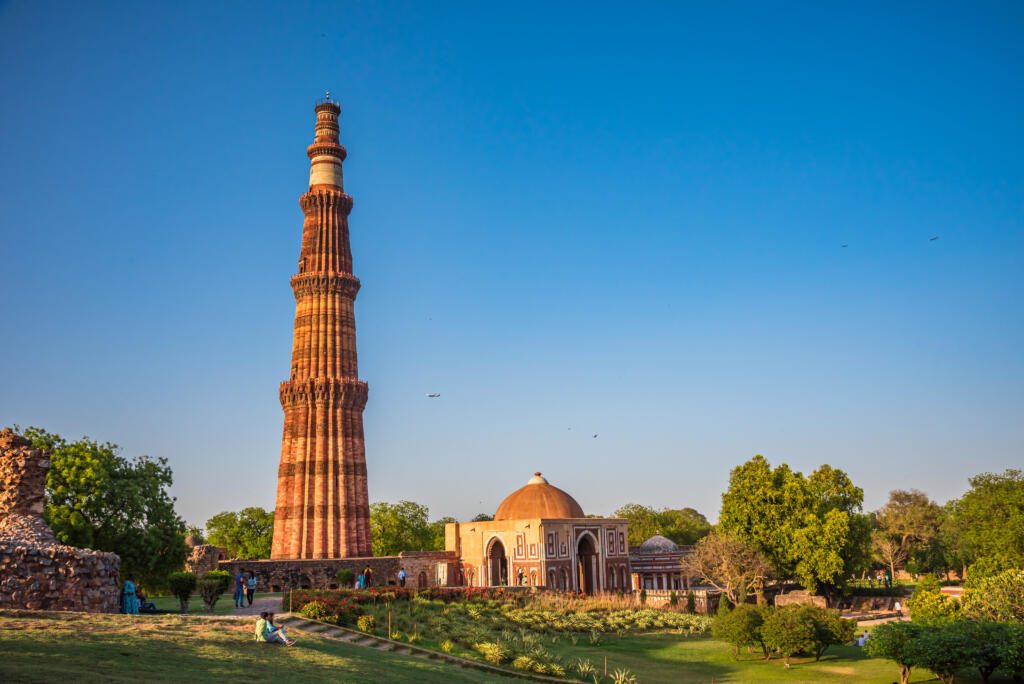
36	572
423	569
801	598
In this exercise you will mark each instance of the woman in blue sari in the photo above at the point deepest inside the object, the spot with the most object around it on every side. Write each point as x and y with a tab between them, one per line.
129	601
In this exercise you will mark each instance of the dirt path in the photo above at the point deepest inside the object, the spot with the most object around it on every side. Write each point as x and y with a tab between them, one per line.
270	604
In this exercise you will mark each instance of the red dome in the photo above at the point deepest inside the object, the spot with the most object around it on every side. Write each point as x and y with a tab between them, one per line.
538	499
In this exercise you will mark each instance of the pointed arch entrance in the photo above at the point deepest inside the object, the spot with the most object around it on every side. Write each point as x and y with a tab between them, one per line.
586	564
497	564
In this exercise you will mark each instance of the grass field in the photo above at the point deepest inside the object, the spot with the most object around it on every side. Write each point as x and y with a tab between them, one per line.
670	658
73	647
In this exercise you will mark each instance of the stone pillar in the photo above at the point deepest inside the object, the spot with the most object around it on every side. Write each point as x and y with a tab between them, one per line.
323	508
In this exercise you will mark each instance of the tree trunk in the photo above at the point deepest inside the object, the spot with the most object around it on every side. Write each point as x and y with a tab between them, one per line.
904	674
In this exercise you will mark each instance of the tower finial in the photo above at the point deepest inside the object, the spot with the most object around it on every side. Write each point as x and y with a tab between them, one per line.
328	94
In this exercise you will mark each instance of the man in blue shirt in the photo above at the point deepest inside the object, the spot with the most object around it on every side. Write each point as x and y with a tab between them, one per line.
239	590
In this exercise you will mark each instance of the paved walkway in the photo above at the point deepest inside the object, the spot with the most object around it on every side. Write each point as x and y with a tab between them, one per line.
270	604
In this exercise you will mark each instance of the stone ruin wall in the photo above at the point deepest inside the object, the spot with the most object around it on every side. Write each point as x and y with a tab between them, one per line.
438	568
204	557
37	572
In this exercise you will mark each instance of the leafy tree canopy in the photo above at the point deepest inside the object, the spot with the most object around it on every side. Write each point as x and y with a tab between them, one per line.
988	521
682	525
247	534
810	528
98	499
404	526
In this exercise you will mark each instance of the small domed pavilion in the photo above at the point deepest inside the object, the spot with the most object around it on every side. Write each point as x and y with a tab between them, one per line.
656	565
540	536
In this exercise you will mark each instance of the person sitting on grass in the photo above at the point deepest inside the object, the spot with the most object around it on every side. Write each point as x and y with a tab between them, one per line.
267	634
278	630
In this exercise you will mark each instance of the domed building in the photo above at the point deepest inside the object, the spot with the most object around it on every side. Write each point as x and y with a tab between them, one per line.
540	536
656	565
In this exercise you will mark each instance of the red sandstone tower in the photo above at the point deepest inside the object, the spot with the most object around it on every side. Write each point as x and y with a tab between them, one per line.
322	502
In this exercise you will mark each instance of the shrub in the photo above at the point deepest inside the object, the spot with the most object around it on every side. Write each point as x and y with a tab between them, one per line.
997	597
940	650
895	641
1012	650
584	668
622	676
345	578
182	584
315	610
492	651
212	585
928	605
691	603
367	623
643	596
829	628
673	599
980	643
790	631
446	645
740	627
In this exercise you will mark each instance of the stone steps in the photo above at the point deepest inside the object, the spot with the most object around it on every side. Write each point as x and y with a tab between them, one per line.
361	639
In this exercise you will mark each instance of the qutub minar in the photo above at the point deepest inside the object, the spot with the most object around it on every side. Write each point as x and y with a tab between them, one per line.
322	501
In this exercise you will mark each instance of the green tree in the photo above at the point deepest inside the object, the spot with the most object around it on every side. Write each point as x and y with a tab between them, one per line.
999	598
790	631
895	641
399	527
908	525
988	521
810	528
929	606
212	586
830	629
941	650
1012	650
437	532
98	499
182	584
247	534
682	525
741	627
482	517
196	534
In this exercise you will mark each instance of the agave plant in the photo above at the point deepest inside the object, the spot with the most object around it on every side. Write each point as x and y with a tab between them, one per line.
623	676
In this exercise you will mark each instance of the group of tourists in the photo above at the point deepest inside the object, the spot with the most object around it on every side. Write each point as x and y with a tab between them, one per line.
269	633
245	589
133	601
365	579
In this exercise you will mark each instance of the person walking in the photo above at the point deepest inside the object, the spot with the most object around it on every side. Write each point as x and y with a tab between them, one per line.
239	589
129	601
361	580
250	587
368	573
401	577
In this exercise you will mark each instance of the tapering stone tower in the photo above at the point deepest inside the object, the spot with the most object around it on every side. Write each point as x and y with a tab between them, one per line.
322	502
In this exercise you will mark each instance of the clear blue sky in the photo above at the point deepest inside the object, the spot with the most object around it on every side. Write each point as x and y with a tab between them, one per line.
624	220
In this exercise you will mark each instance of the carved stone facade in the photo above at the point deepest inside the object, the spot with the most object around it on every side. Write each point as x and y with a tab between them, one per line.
36	572
541	537
323	509
424	569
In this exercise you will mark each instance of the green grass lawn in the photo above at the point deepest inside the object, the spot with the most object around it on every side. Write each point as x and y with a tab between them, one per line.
75	647
672	658
225	605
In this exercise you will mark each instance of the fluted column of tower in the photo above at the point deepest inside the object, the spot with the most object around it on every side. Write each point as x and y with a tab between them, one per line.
322	501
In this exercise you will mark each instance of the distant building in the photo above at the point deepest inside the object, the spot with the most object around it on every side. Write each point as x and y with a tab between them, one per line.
540	537
657	565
